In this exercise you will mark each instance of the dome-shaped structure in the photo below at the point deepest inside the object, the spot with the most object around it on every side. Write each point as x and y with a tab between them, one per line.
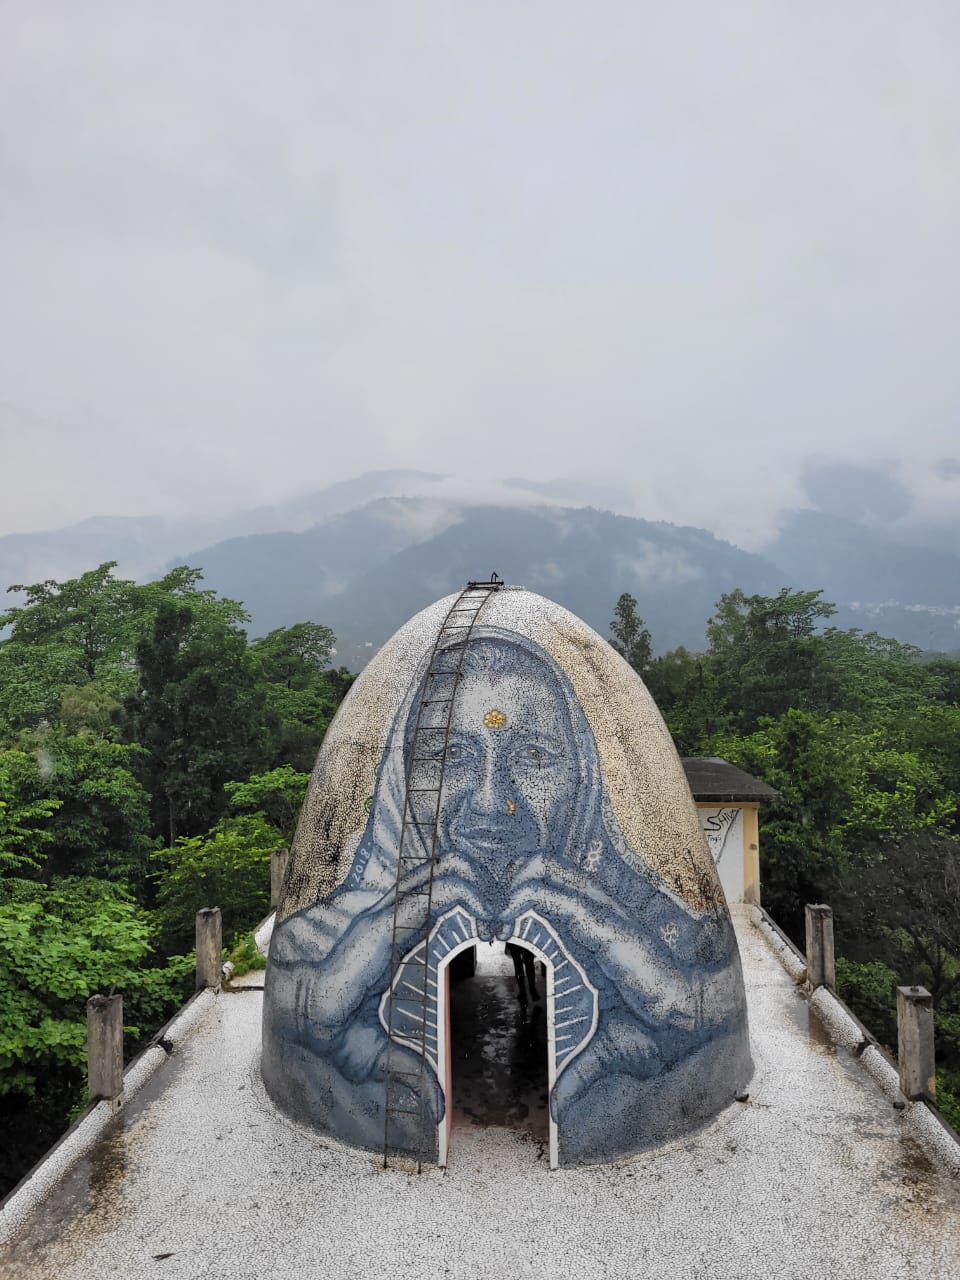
499	772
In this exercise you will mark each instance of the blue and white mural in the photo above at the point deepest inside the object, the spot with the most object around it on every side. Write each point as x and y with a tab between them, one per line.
645	996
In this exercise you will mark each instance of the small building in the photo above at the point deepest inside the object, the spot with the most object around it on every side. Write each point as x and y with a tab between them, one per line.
499	775
728	802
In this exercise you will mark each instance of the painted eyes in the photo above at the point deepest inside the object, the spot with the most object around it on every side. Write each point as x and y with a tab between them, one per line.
525	755
539	755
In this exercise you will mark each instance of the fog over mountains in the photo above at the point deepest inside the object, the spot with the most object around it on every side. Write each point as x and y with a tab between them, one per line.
364	554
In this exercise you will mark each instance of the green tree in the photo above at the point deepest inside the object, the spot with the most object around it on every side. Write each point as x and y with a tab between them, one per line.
295	656
764	654
229	868
932	732
198	711
99	823
847	796
94	616
631	639
946	667
87	709
807	760
683	688
278	795
24	821
872	674
301	693
901	908
58	946
32	680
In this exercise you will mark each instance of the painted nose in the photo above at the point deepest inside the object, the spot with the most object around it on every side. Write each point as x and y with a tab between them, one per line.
489	798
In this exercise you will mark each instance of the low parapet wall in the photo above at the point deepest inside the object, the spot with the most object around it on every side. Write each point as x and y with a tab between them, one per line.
845	1030
921	1121
89	1127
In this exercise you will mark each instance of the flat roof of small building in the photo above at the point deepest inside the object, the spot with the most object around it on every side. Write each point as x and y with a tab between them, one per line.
714	779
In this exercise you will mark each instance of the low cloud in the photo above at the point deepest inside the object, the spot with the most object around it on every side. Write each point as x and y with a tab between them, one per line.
668	252
654	566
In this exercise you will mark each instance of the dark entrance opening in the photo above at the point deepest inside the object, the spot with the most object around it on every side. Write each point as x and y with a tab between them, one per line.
498	1045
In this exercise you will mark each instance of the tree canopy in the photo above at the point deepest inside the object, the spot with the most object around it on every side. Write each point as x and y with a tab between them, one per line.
151	758
860	735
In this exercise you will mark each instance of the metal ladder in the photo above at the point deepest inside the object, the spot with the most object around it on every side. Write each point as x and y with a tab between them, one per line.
418	847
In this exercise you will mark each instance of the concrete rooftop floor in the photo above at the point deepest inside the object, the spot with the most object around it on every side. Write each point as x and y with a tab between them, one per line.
816	1174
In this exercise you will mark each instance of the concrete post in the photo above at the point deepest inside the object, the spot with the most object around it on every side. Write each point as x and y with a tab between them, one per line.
751	853
915	1043
104	1047
209	948
821	970
278	869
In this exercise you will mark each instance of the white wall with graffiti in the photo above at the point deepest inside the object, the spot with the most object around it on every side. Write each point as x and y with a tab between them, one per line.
723	829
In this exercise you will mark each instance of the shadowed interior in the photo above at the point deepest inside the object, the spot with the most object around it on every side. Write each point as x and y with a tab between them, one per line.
499	1048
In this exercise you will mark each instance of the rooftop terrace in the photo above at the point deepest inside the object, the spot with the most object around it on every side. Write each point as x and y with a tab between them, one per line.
821	1171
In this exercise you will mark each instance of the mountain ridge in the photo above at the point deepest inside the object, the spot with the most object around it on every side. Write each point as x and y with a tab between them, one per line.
371	550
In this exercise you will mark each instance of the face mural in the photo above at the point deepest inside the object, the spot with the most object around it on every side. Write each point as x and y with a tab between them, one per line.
650	1032
511	767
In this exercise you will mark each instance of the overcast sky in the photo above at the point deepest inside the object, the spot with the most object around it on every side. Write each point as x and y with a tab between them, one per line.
247	249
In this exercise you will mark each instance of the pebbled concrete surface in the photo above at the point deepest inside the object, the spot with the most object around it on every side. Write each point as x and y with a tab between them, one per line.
816	1174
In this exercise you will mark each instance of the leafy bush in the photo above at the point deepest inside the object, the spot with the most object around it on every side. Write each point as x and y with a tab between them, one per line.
871	992
245	955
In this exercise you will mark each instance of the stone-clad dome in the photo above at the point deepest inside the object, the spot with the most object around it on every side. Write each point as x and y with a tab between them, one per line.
558	817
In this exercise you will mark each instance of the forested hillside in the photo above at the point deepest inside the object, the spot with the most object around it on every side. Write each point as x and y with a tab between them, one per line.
150	760
152	756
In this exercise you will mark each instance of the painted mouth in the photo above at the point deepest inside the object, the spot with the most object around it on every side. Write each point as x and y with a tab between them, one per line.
488	840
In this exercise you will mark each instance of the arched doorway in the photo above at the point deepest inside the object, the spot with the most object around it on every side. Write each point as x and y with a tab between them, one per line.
524	1039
